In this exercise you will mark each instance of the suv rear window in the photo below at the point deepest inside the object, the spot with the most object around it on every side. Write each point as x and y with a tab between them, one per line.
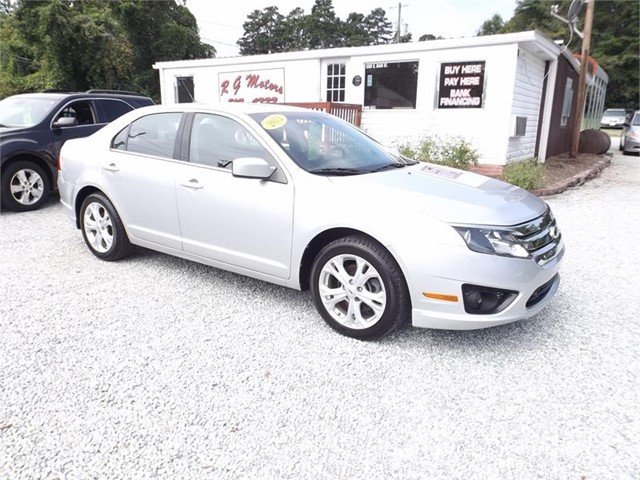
112	109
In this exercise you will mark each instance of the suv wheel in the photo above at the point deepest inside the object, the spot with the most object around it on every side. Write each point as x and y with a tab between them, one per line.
25	186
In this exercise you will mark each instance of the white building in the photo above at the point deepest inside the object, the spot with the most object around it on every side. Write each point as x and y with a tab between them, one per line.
512	96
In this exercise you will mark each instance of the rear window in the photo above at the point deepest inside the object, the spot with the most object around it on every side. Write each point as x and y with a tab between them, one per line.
151	135
112	109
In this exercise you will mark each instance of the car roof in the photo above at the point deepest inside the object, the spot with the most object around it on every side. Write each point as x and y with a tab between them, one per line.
65	95
230	107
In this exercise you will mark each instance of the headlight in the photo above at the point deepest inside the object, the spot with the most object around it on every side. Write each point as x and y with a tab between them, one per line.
634	134
495	242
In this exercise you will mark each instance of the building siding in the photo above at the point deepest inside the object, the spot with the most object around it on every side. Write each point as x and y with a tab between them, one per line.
527	97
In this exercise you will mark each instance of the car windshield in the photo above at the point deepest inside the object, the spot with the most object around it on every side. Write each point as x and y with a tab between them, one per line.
24	111
324	144
636	119
614	113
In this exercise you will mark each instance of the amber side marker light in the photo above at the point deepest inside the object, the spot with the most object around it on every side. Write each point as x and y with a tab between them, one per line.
441	296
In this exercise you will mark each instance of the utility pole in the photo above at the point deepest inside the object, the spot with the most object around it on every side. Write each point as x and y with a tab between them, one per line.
399	7
586	50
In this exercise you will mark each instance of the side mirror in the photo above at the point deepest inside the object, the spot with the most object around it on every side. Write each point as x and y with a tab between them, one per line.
252	167
65	122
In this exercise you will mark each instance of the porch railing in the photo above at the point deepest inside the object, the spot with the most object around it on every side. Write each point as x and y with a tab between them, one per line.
350	112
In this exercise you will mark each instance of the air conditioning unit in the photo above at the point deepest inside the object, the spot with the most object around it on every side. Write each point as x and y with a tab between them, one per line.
518	126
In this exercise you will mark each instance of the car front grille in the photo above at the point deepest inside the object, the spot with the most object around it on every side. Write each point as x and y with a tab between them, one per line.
540	237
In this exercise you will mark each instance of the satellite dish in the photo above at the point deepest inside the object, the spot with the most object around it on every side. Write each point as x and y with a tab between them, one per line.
574	10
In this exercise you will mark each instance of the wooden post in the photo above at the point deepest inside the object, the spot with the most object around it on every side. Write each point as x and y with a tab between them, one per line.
586	49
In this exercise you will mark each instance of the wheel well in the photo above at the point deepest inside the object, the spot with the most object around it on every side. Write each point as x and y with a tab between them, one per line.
317	244
45	166
82	194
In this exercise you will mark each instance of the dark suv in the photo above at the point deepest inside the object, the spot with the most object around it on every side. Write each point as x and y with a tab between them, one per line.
33	127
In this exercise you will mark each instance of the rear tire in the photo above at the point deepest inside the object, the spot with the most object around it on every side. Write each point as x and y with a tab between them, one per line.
25	186
359	289
102	229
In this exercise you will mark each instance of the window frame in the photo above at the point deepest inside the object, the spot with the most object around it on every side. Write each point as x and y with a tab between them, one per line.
332	77
178	141
385	65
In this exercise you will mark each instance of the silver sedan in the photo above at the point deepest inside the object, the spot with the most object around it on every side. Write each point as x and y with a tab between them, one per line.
303	199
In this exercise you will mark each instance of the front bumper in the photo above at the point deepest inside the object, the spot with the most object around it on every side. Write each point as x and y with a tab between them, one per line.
630	145
522	275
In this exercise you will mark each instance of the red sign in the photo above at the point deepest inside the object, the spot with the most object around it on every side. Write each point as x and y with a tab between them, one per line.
258	86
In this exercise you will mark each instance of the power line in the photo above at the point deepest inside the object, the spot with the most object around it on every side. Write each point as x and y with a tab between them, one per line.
218	41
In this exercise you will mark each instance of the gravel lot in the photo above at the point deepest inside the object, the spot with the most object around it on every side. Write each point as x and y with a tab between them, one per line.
155	367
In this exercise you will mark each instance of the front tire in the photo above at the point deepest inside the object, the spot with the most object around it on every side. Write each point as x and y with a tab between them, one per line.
25	186
359	289
102	229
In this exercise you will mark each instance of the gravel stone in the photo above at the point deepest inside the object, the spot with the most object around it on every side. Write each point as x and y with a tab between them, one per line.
156	367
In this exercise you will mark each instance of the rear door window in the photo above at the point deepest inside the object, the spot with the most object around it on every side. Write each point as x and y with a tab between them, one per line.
111	109
150	135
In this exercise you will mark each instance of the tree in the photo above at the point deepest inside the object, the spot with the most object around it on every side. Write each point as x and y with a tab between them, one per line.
82	44
492	26
263	32
296	25
428	37
354	31
378	27
323	25
615	40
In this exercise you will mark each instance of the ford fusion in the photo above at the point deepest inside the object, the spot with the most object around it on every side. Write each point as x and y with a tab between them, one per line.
305	200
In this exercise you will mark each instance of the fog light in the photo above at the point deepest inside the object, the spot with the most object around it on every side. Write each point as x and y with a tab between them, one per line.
486	300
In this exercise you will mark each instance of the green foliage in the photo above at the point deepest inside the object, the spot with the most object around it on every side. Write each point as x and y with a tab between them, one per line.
492	26
454	152
526	174
83	44
615	40
268	31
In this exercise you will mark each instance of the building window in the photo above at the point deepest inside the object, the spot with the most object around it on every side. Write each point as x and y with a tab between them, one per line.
391	85
567	102
184	90
336	79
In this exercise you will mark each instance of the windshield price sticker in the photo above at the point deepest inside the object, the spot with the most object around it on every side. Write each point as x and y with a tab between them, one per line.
273	121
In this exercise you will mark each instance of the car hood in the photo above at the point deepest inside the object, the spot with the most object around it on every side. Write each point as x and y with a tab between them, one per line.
450	195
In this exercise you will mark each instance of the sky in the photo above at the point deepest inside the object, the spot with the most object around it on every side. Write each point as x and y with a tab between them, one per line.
220	23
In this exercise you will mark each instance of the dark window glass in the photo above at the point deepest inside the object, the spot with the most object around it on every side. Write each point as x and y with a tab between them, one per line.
391	85
341	82
185	91
330	69
217	141
341	99
153	135
112	109
81	111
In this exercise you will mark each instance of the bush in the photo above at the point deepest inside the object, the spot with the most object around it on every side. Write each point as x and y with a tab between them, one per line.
454	152
526	174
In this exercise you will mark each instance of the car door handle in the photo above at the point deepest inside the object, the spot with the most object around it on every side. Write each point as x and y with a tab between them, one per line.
193	184
111	168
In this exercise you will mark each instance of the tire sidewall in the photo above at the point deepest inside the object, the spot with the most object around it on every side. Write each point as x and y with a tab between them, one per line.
393	289
8	172
120	242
